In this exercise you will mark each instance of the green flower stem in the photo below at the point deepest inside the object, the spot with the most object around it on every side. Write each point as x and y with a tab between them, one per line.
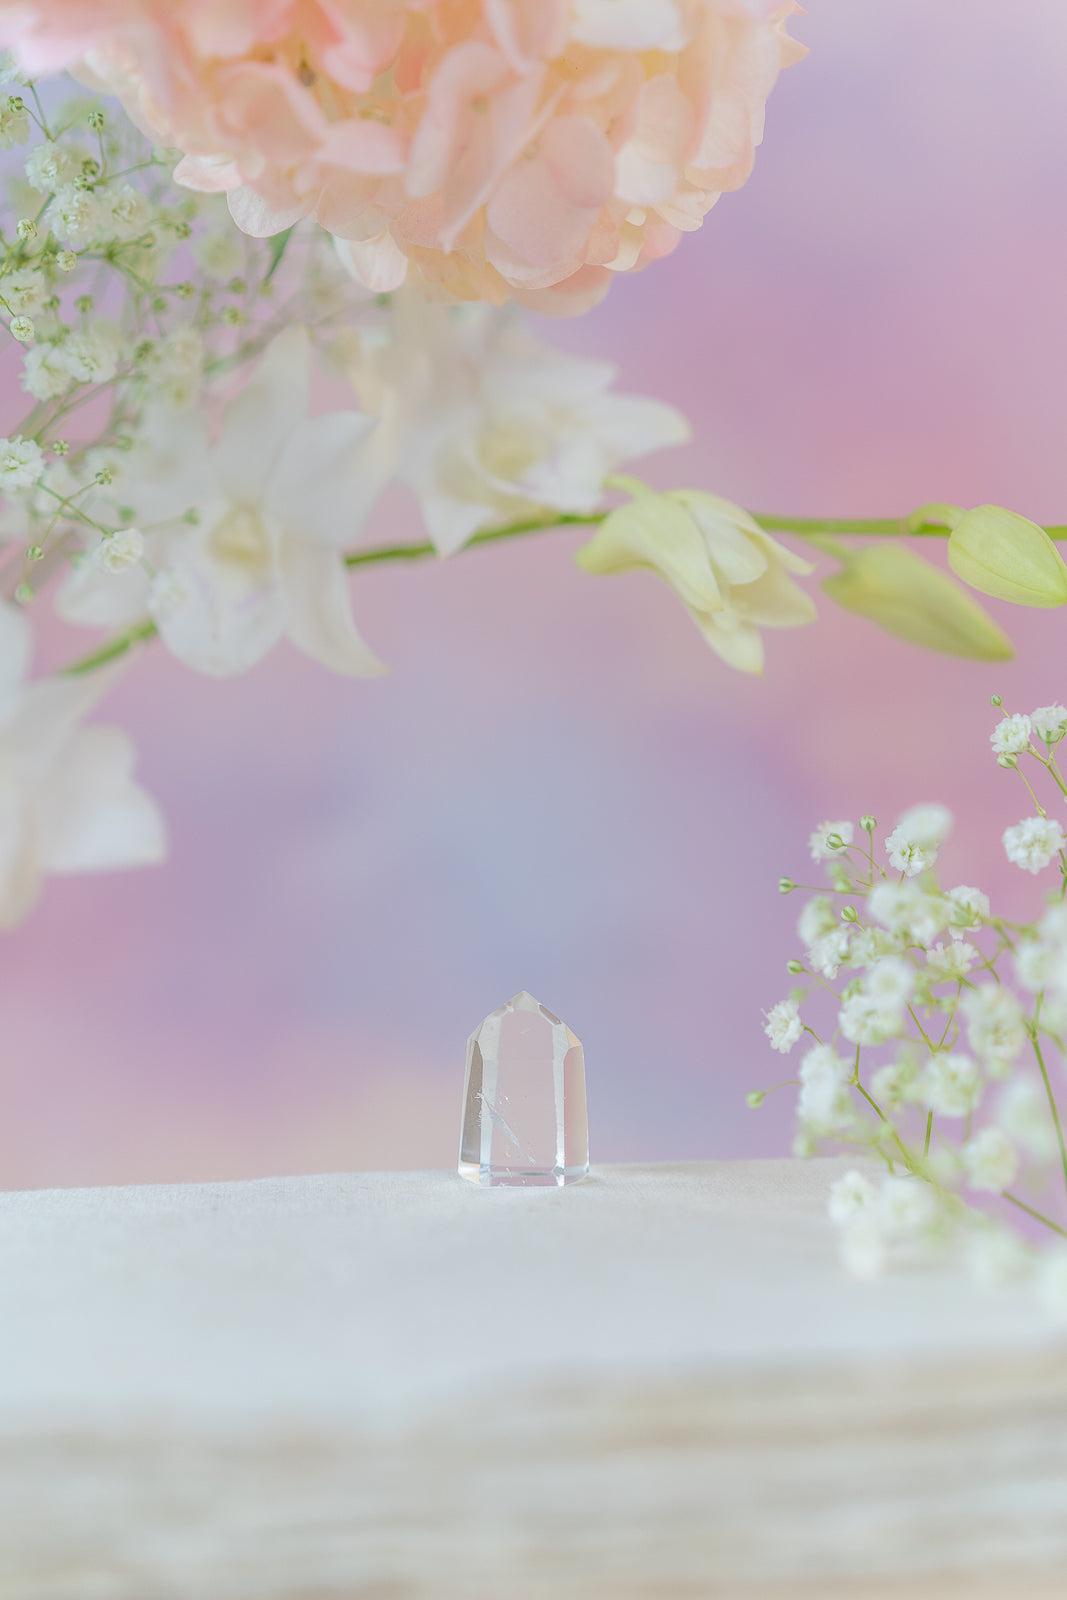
1038	1216
415	552
864	527
1051	1103
814	528
140	633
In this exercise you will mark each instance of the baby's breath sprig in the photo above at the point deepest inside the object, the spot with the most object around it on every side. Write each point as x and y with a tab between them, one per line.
944	1057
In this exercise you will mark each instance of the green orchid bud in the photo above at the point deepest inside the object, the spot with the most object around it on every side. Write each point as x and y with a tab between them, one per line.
908	597
1007	556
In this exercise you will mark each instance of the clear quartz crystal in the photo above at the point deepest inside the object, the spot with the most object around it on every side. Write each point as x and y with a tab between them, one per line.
524	1118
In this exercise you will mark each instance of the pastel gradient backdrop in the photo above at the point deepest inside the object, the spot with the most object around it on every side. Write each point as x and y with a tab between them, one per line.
558	787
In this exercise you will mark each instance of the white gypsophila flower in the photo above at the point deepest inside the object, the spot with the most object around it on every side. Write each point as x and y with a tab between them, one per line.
865	1021
10	71
863	1246
220	254
25	290
1054	1013
997	1257
21	463
849	1196
93	356
868	945
948	963
53	166
124	212
995	1028
890	983
818	917
950	1085
1033	843
22	329
119	550
896	1082
906	909
991	1161
1037	965
914	842
829	951
820	850
76	216
1053	925
1023	1112
486	424
45	373
783	1025
1051	1284
824	1105
14	125
173	370
907	1208
1011	736
969	906
68	802
1049	723
278	498
66	260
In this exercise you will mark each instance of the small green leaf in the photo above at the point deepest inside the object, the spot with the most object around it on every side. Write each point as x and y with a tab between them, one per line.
277	249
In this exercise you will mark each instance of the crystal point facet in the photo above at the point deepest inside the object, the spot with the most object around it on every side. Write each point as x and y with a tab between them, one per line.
524	1119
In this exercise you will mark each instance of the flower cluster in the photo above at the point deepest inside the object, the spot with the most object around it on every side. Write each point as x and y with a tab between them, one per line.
946	1043
171	476
525	150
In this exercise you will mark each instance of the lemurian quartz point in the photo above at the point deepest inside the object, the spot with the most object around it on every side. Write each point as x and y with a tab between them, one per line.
524	1116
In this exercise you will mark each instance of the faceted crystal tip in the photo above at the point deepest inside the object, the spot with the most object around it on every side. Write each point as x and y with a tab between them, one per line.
524	1115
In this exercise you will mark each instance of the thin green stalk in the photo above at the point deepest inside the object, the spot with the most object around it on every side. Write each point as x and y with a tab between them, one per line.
511	530
1038	1216
865	527
140	633
1052	1104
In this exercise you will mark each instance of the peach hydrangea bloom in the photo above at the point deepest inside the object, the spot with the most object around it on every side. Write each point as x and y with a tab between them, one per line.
496	149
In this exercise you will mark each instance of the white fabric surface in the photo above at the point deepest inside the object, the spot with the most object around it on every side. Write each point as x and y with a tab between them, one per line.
656	1383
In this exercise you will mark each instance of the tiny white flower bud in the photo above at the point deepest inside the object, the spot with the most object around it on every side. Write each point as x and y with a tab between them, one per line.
66	260
22	329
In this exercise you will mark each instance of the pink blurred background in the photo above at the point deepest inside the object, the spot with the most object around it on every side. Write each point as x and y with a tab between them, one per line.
559	787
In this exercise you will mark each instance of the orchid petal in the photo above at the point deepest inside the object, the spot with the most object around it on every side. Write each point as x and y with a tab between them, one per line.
92	816
261	419
319	615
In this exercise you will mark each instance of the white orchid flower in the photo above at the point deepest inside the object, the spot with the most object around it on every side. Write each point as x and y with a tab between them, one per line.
487	425
269	509
733	577
68	802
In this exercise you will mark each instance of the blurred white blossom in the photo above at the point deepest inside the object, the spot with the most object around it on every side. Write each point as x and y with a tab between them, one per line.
1033	843
488	425
68	802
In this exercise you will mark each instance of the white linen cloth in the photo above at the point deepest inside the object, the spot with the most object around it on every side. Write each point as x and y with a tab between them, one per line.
394	1386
